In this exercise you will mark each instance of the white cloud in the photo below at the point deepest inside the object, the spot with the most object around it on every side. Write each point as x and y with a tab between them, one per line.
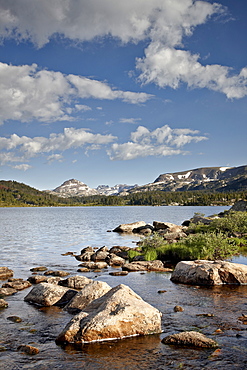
27	93
16	148
163	23
54	157
129	120
163	141
22	167
166	66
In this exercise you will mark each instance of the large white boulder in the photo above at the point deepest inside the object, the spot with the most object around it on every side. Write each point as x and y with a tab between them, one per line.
128	228
90	292
203	272
118	314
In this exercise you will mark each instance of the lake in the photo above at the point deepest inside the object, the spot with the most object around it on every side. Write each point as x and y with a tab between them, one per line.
39	236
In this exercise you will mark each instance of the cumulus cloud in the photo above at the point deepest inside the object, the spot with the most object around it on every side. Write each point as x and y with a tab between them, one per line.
27	93
162	23
166	66
16	148
163	141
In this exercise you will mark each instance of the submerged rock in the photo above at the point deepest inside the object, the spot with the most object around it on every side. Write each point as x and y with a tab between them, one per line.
3	303
190	339
118	314
46	294
156	265
30	350
203	272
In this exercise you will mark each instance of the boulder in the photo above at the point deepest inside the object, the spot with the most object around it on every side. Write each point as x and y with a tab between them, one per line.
143	230
128	228
46	294
57	273
203	272
5	273
168	226
114	260
190	339
156	265
75	282
91	291
118	314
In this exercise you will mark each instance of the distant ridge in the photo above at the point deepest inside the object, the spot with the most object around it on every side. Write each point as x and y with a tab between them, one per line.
205	178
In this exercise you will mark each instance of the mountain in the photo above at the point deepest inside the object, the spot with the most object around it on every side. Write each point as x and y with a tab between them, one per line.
72	188
208	178
114	190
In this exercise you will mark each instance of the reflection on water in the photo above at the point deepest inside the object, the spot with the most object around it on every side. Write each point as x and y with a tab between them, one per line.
32	237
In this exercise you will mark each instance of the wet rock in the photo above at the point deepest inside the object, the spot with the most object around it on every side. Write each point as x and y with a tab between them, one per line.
90	292
14	319
46	294
146	266
99	256
30	350
37	279
83	269
178	309
128	228
57	273
7	291
161	291
3	303
243	318
5	273
190	339
120	251
94	265
17	285
38	269
203	272
119	273
75	282
118	314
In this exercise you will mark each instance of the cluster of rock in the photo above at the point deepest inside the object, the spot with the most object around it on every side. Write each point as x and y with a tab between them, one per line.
102	312
116	257
168	230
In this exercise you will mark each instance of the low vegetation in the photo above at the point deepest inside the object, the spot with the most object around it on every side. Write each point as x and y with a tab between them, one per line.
221	239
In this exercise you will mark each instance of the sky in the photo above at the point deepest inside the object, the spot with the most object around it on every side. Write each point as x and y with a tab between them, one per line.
119	92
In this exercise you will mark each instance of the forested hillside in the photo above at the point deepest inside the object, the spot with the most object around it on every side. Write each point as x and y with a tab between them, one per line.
15	194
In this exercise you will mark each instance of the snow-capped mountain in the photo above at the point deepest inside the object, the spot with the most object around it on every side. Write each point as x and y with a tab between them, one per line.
72	187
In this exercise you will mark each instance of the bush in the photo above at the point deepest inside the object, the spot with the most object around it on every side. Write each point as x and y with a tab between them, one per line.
211	246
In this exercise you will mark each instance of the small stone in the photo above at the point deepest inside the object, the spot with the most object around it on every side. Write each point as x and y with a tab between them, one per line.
161	291
14	319
3	303
39	268
178	309
118	273
5	273
28	349
7	291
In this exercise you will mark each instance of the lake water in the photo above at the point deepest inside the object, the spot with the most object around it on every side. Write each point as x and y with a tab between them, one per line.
39	236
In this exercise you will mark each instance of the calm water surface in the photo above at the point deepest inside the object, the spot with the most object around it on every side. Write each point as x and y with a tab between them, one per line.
39	236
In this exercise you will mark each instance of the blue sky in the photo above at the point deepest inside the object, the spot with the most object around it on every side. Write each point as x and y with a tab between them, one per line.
111	92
